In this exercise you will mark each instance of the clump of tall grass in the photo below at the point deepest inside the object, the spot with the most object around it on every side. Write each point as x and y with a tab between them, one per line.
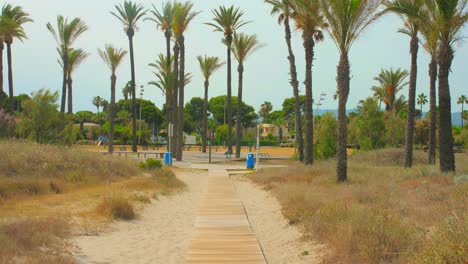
384	214
34	240
117	206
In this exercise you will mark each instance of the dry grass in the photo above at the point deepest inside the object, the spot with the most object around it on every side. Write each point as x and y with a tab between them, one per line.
385	214
29	169
34	240
117	206
41	183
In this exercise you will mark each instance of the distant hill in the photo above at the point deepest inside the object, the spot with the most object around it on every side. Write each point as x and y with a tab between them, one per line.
456	117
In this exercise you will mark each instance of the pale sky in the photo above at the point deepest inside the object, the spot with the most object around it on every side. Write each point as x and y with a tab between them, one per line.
266	75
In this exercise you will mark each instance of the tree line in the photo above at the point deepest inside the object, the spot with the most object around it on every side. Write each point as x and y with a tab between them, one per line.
437	24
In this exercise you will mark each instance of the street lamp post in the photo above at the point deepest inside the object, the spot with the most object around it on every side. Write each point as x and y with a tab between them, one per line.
141	104
210	120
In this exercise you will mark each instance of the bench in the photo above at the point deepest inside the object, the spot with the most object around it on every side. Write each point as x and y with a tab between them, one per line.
145	154
458	149
262	155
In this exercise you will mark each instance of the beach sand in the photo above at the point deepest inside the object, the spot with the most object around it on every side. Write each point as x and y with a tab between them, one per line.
160	235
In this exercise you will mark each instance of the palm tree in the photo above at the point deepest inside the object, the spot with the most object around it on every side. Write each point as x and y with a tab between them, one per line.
164	75
129	14
163	21
75	58
430	45
283	9
347	19
11	27
265	110
243	46
66	33
183	15
208	65
127	90
112	57
399	105
309	19
462	100
449	18
422	100
228	20
406	9
97	101
390	83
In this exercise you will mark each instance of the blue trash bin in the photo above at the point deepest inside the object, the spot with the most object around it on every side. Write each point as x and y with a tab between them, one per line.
168	158
250	161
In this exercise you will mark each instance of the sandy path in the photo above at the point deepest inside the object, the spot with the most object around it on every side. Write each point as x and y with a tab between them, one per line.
161	234
281	242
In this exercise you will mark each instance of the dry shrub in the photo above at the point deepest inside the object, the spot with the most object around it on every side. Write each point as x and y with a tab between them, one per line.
384	214
116	206
33	239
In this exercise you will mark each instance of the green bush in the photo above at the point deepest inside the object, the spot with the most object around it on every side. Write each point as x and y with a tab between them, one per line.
151	164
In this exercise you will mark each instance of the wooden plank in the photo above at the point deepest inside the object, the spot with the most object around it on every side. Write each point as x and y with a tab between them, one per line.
223	234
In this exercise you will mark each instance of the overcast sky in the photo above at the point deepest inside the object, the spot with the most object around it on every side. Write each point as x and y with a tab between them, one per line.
266	71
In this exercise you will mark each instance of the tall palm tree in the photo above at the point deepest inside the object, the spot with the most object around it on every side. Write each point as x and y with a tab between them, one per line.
97	102
283	9
163	21
462	100
449	18
164	77
430	45
208	65
390	83
406	8
243	46
228	20
129	14
11	27
347	19
112	57
75	58
183	15
422	100
310	21
65	35
127	90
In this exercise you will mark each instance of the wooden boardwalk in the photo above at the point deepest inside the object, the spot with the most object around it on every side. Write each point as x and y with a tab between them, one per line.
222	231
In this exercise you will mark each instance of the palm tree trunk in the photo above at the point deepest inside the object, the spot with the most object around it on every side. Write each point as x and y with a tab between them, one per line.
295	85
309	137
240	70
132	65
70	95
169	107
180	130
1	74
229	93
10	79
409	136
64	84
175	100
205	119
343	88
112	114
446	155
